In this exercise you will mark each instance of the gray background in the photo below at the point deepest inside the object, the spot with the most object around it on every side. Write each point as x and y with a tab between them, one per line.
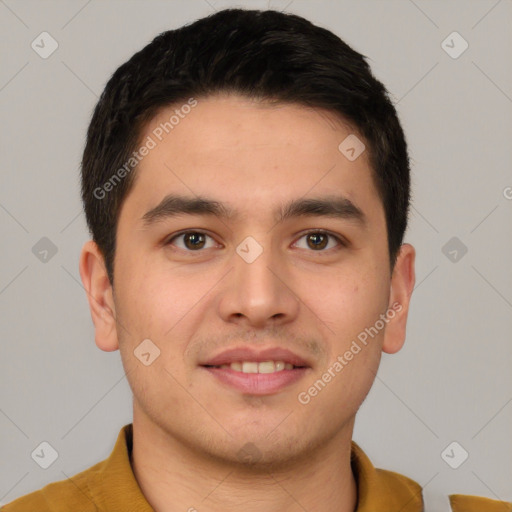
452	380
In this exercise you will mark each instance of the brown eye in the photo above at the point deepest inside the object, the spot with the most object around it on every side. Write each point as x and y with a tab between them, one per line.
319	240
191	240
194	240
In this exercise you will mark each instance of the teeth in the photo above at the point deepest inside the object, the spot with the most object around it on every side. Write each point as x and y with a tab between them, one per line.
263	367
266	367
249	367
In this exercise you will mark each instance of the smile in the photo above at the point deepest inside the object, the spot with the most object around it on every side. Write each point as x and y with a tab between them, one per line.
252	378
257	367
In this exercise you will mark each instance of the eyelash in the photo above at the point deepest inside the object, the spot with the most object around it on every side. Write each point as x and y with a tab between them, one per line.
340	241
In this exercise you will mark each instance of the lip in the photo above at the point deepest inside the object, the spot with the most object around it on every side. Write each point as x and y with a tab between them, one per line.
239	354
256	383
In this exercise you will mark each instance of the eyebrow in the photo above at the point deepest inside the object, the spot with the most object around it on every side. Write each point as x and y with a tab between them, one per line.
333	206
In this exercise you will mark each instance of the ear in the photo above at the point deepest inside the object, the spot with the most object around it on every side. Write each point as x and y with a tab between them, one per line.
100	296
402	285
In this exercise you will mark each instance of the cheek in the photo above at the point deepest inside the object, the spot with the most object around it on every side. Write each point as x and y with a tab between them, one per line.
348	302
164	306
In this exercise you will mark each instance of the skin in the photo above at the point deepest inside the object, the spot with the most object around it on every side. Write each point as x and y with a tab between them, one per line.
189	427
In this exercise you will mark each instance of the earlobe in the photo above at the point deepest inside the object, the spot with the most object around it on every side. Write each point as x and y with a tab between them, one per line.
402	285
99	295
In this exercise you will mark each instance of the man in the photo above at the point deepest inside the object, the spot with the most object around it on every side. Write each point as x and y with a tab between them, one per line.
246	184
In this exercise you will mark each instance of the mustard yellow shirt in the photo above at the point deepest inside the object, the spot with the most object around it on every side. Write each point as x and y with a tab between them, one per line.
110	486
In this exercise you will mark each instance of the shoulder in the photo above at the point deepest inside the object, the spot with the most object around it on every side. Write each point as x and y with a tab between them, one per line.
465	503
74	493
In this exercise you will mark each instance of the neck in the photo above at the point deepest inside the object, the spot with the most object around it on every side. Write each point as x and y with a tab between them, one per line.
174	477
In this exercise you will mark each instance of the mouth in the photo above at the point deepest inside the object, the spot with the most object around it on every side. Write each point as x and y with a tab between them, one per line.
257	373
256	367
256	382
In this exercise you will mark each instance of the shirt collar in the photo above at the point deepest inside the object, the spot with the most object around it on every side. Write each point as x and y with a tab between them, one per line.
385	491
115	484
382	490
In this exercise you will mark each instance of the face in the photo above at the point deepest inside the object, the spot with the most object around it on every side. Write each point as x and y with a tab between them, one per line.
250	279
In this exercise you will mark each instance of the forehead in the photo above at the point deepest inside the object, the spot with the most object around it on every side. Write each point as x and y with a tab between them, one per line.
233	121
249	155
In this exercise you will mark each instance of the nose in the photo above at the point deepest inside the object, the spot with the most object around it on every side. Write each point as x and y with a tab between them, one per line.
258	292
